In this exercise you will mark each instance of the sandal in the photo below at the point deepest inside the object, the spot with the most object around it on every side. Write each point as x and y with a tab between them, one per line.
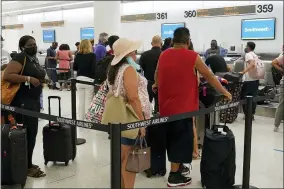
36	173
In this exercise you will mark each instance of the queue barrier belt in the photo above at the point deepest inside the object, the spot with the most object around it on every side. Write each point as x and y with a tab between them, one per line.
128	126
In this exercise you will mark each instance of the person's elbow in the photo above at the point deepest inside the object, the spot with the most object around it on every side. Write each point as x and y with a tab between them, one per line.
274	63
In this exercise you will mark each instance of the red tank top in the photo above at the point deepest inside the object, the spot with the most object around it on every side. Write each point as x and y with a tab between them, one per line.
177	82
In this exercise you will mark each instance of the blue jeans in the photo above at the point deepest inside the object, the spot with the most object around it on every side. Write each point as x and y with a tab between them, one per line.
41	101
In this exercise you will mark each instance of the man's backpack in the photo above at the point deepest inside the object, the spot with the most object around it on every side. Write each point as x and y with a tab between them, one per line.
101	69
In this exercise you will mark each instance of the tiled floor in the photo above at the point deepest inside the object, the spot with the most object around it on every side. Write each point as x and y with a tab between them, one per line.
91	168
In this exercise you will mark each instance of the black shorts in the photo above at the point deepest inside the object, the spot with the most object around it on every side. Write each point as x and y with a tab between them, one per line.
179	140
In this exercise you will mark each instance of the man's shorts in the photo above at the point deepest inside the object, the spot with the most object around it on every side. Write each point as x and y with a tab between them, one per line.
179	140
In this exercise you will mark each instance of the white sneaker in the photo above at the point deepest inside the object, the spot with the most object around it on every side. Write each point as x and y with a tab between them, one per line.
276	129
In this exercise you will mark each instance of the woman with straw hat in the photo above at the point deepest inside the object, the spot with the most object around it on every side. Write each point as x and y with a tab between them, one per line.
124	80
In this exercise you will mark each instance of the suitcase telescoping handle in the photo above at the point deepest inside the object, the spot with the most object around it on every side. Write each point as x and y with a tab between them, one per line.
49	108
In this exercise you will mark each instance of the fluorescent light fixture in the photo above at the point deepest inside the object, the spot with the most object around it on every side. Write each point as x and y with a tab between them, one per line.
8	2
40	8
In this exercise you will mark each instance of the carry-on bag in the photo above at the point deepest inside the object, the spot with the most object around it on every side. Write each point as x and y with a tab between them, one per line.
57	139
155	137
218	161
14	161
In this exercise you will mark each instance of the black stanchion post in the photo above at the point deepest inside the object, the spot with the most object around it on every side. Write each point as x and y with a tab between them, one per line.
247	144
115	154
79	141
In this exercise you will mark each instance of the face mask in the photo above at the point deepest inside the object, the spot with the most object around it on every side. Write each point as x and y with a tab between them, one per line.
133	63
246	50
31	51
2	44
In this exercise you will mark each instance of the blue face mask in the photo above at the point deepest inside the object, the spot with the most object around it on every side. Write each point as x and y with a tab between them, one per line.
133	63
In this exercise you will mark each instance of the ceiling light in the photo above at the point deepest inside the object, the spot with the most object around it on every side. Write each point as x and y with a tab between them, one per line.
40	8
9	2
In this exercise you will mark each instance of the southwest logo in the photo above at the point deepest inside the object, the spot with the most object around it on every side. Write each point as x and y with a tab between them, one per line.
169	32
257	29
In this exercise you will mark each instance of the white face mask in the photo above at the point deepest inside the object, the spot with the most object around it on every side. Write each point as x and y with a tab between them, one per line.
2	44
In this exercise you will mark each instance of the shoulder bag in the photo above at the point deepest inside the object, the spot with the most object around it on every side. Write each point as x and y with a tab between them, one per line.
9	90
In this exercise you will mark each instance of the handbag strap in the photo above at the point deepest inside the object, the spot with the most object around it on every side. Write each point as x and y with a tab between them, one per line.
142	140
25	60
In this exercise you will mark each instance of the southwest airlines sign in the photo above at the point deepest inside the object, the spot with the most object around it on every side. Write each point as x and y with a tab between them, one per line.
258	28
48	36
87	33
168	29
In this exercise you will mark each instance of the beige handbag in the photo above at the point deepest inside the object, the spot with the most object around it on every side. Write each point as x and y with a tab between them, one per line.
139	159
117	110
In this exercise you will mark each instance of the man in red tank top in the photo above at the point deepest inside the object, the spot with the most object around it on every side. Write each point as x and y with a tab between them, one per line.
177	82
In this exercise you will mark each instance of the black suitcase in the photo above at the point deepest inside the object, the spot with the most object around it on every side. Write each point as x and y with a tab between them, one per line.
14	161
156	140
218	161
57	140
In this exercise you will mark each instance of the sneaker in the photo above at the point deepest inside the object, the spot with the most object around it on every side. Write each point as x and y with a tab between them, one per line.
177	179
184	170
276	129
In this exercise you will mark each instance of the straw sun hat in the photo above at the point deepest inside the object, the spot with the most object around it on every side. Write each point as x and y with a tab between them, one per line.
122	47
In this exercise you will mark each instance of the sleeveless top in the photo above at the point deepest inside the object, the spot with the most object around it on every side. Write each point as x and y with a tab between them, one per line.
142	90
65	62
177	82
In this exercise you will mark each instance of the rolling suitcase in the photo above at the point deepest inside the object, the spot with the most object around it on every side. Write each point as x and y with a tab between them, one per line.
156	140
218	161
57	140
14	163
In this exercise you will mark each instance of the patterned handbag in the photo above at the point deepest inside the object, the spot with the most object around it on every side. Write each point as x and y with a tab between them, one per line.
9	90
97	107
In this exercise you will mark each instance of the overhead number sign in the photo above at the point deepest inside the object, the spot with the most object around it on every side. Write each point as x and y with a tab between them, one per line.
264	8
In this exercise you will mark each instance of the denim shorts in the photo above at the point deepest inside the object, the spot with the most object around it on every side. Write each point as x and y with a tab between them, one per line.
129	142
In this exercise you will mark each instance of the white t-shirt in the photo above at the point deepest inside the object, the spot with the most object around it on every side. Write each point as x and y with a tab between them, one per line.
5	57
249	56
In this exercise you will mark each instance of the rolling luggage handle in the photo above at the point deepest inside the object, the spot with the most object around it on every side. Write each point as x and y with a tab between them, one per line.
49	110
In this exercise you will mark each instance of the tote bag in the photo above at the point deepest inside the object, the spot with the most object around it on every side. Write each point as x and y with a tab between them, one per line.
117	110
97	107
9	90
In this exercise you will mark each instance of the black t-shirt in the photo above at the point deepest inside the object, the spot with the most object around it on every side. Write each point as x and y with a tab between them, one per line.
85	65
32	69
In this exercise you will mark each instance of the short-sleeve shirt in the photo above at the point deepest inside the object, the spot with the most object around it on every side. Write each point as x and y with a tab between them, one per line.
249	56
51	63
31	69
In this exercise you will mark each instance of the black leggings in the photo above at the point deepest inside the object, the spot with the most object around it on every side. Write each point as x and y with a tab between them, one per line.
31	123
250	88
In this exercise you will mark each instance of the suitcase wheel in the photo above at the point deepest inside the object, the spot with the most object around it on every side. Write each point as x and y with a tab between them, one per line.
163	172
45	162
148	173
66	163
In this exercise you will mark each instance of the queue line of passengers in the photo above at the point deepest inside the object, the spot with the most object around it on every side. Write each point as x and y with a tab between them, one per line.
177	62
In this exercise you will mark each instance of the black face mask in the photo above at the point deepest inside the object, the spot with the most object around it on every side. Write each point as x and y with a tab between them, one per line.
31	51
246	50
